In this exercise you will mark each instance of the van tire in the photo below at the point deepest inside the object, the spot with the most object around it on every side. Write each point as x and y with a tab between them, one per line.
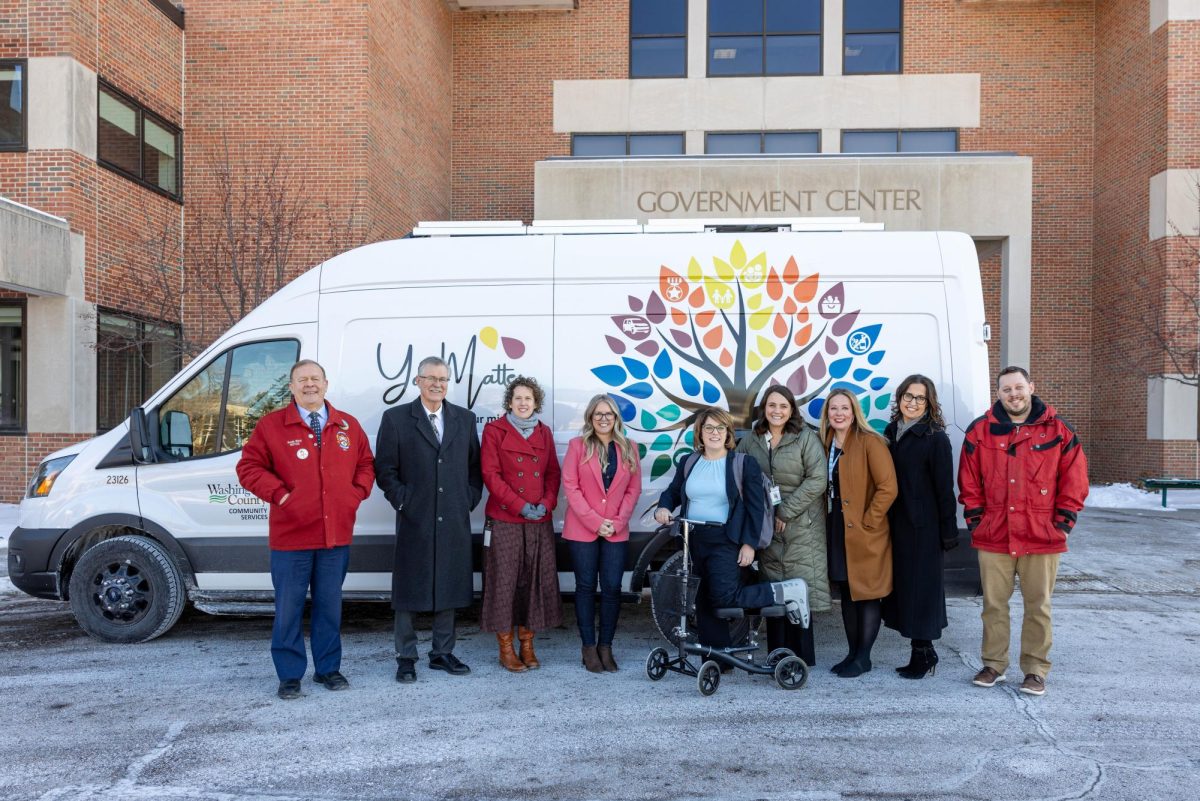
126	590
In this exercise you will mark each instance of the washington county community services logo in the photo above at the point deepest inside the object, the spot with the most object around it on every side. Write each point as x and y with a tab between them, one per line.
239	500
717	336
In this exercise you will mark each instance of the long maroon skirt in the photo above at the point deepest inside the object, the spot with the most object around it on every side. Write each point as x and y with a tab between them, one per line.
520	585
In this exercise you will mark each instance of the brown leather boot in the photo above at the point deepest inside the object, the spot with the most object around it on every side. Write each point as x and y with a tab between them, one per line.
528	657
606	658
591	660
508	658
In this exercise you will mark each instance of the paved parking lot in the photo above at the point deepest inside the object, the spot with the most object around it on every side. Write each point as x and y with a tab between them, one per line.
192	715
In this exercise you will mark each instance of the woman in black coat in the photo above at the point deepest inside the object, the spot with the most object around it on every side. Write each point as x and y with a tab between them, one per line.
922	520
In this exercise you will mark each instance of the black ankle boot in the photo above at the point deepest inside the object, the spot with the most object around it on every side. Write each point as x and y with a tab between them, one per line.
914	659
924	662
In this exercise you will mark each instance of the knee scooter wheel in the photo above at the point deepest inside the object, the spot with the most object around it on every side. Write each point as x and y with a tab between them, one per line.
791	673
656	663
709	678
775	656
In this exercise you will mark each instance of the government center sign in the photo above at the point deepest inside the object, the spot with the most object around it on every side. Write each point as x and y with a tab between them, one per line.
778	201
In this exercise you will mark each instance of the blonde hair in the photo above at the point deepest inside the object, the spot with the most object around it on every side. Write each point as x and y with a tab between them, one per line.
859	423
594	448
719	417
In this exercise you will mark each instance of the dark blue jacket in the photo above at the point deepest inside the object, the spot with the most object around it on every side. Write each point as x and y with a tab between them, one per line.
745	514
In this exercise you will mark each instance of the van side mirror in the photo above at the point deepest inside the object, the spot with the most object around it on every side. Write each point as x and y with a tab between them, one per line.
177	434
139	437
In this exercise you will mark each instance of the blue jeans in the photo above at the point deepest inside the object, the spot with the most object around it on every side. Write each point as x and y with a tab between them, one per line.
606	560
292	573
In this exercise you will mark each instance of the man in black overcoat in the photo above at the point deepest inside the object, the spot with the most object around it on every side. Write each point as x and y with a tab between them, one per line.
427	464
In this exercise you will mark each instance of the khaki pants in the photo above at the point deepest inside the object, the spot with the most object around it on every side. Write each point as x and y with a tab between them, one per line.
1038	573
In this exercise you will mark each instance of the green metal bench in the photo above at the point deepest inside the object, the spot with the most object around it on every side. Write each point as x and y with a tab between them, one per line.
1165	484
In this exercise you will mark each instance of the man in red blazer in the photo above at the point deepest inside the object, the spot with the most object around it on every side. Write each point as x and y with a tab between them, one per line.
312	465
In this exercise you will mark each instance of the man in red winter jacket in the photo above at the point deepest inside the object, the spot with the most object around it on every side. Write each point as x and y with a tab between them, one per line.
312	465
1022	479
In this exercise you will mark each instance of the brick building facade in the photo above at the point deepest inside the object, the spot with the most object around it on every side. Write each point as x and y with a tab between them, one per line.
388	113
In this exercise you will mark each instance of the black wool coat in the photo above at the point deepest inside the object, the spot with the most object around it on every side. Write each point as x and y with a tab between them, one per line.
922	517
433	487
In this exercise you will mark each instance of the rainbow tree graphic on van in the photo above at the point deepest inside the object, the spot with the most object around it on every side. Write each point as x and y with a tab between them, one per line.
717	337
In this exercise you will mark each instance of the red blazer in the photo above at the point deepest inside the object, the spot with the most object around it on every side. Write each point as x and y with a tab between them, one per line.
518	471
326	484
589	504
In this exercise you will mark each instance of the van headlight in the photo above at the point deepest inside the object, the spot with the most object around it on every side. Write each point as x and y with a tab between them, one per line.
47	474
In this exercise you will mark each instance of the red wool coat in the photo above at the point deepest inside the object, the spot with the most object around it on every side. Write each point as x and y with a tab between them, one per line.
326	484
1021	486
517	471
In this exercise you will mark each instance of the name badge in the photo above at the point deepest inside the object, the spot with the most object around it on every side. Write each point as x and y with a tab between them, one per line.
776	495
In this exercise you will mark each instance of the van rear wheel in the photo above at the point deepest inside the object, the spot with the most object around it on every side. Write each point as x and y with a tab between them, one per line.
126	590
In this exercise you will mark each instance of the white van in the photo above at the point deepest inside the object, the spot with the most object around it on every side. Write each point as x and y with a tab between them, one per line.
132	524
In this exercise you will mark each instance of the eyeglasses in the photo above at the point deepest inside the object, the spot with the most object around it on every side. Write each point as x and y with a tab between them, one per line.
434	379
603	416
713	429
917	399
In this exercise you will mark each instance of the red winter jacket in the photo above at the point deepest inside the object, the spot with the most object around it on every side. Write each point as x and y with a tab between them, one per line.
1021	486
518	471
326	484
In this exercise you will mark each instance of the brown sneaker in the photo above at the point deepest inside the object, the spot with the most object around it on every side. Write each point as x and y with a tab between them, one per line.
988	677
1033	684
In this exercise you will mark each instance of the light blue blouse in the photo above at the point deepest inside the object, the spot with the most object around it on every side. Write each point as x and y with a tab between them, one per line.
706	491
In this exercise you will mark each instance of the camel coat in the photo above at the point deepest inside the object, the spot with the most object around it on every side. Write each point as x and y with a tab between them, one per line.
867	483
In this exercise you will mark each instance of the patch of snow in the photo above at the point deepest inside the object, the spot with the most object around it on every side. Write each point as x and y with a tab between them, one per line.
7	587
1127	496
8	521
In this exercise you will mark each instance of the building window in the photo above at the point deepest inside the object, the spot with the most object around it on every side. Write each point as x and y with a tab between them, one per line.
780	142
872	36
134	357
12	366
657	38
764	37
899	141
13	97
135	142
598	145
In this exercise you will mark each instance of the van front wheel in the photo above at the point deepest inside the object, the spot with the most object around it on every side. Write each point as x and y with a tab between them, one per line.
126	590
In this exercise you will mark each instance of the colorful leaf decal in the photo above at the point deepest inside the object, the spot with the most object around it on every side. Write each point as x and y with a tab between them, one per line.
802	336
704	318
876	357
798	381
839	368
641	451
759	319
636	369
697	297
844	324
640	390
656	312
627	409
791	273
755	272
831	347
671	285
774	285
694	270
814	408
720	294
610	374
832	302
678	317
878	383
662	366
711	393
513	348
881	402
647	348
662	465
691	387
661	443
806	290
766	347
754	361
614	344
712	338
724	270
681	338
634	304
737	255
754	302
726	358
670	412
779	328
633	326
816	368
878	425
861	374
648	421
489	336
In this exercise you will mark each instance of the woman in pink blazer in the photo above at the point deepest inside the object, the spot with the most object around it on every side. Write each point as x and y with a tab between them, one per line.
602	480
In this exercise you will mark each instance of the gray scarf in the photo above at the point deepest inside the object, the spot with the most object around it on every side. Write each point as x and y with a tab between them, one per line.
524	426
903	427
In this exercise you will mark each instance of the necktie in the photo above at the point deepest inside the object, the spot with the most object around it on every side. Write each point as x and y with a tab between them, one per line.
314	421
437	432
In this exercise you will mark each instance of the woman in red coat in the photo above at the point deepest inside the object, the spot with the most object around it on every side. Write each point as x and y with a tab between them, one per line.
520	470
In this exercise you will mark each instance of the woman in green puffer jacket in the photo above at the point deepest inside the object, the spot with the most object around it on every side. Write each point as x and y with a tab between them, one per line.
790	453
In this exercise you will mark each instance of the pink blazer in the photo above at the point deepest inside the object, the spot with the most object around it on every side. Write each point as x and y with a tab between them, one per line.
588	504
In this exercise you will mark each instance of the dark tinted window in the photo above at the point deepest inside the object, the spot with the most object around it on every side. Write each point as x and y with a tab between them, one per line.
137	143
764	37
733	143
873	31
928	141
12	371
657	38
591	145
598	145
869	142
792	142
12	105
656	144
769	142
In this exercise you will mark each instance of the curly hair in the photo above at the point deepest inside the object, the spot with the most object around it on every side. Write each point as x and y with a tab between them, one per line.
530	384
933	409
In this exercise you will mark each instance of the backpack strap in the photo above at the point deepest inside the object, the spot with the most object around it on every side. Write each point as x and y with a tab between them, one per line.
739	464
689	462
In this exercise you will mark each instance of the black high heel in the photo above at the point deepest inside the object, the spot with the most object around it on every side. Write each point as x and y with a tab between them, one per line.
924	662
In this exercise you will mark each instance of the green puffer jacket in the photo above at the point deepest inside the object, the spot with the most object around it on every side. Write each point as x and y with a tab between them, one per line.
798	466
